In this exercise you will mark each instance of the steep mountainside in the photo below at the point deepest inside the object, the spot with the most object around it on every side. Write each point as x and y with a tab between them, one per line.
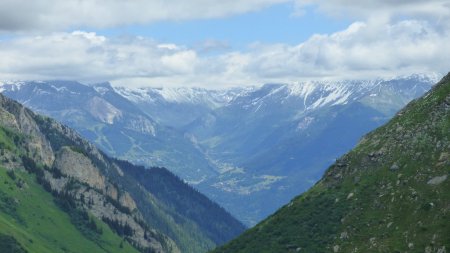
272	143
213	220
33	220
391	193
113	123
256	145
55	178
76	175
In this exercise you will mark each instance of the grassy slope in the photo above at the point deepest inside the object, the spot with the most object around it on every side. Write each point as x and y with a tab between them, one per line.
186	232
30	215
361	204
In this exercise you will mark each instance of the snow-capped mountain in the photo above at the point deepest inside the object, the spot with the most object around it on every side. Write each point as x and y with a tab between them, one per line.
176	107
113	122
255	145
274	141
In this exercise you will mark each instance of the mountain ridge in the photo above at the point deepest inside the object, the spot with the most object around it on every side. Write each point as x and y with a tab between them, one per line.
389	194
270	124
227	151
93	188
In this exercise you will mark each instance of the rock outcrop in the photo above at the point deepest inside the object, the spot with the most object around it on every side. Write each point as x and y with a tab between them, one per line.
71	167
74	164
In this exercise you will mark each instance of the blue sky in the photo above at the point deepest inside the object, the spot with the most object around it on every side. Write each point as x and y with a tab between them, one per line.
216	43
274	24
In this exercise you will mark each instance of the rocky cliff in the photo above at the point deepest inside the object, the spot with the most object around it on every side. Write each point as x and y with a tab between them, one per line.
157	212
76	173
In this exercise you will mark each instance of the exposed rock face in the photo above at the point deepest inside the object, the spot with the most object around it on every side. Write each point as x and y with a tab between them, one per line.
103	111
112	192
76	165
127	201
56	184
77	169
92	198
8	120
17	117
101	208
74	137
93	194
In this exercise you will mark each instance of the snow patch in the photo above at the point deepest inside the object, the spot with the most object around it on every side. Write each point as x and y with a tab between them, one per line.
11	85
101	90
184	95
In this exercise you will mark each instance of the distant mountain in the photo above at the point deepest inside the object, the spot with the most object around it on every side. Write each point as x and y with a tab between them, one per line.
114	123
274	142
59	193
391	193
255	145
177	107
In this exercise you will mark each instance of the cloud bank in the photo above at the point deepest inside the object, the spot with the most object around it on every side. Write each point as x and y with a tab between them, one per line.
51	15
22	15
363	50
382	9
392	38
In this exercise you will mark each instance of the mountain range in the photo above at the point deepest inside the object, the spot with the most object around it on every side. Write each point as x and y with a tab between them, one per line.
255	145
60	193
391	193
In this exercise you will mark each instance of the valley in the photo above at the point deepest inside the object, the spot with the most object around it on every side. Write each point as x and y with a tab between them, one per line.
250	126
255	145
388	194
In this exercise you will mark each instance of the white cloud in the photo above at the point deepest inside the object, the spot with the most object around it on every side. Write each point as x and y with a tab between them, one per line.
393	38
65	14
381	10
87	56
51	15
184	62
363	50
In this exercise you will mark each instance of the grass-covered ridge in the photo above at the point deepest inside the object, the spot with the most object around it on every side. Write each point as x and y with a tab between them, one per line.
390	194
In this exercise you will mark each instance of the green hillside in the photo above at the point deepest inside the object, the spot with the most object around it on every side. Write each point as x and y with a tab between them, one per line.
31	220
58	193
389	194
34	220
61	193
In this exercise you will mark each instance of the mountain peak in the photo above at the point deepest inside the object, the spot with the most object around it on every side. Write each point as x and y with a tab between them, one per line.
102	88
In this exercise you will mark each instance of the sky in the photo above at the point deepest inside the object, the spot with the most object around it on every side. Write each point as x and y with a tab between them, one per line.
215	44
